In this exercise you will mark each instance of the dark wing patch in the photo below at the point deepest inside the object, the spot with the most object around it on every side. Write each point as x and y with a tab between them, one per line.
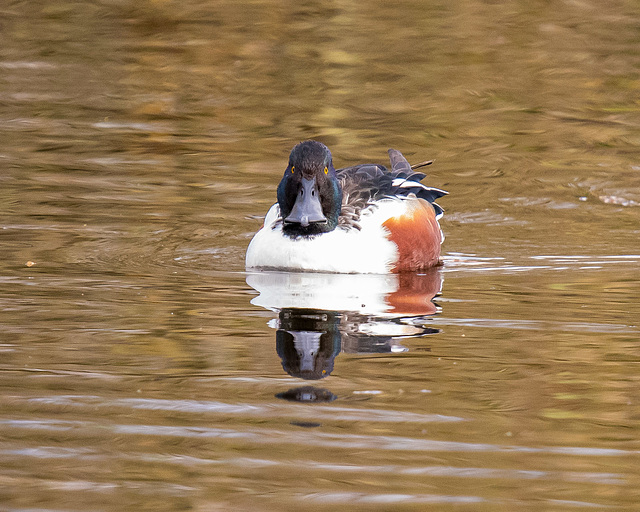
365	183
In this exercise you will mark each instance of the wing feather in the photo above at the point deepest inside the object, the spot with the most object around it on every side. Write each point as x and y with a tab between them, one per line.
366	183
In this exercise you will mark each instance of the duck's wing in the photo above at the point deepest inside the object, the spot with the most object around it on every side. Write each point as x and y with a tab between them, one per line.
365	183
406	181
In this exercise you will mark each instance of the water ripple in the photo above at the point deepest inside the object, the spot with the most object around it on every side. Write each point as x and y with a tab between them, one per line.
540	325
263	411
456	261
320	439
86	454
378	499
351	441
397	499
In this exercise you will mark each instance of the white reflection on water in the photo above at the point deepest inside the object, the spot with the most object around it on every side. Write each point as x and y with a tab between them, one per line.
367	294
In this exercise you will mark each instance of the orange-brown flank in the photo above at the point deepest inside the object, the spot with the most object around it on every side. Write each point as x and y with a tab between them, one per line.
417	235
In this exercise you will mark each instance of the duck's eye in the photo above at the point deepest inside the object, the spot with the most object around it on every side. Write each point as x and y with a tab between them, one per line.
293	168
326	170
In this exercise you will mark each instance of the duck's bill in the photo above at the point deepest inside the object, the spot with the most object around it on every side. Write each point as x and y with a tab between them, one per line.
307	208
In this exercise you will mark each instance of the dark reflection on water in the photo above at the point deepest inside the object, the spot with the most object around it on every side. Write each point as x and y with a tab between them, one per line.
308	341
307	394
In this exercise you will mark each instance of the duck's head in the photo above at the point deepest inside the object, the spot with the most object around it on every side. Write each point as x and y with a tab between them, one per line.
309	193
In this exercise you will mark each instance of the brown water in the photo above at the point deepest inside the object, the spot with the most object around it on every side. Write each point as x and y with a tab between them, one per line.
142	369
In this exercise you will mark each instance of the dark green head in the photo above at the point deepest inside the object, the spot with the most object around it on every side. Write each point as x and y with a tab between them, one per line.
309	193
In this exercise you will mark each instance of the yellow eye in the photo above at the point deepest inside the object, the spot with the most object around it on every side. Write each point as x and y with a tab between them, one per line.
292	169
326	170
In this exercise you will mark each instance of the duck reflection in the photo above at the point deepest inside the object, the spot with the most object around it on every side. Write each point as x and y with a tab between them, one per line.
307	341
321	315
307	394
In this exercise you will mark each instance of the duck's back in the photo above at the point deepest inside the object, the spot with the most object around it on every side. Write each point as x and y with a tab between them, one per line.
365	184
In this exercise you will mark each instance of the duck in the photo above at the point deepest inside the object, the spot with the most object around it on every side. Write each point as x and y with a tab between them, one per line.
362	219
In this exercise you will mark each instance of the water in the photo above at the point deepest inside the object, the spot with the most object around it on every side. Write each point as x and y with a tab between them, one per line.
142	369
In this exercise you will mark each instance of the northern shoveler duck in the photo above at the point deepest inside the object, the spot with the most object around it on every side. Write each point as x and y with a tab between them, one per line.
360	219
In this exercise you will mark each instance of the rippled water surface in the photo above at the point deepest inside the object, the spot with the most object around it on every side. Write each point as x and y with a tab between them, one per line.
141	368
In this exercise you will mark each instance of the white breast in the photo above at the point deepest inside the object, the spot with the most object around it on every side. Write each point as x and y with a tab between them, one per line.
366	251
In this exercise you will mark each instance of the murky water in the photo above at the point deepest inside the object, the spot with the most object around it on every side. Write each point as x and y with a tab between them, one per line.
142	369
